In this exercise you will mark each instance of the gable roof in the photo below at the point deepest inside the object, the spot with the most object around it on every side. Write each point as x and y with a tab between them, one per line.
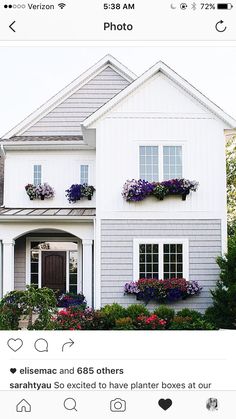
172	75
103	64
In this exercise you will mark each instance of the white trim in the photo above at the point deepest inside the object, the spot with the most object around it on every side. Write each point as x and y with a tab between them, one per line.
68	271
160	67
52	239
107	61
160	242
161	144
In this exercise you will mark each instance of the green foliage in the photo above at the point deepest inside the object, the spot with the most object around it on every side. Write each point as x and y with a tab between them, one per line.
223	311
188	323
165	312
231	182
41	301
135	310
112	313
9	317
186	312
126	323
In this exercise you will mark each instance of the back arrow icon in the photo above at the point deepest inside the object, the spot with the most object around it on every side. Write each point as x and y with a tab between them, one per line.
70	343
10	26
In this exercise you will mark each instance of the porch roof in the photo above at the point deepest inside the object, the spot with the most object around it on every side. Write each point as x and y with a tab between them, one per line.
23	213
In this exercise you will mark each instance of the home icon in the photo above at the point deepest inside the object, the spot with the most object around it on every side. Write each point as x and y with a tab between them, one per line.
23	406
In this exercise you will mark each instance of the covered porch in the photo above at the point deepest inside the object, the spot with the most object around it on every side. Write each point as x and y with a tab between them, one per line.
48	252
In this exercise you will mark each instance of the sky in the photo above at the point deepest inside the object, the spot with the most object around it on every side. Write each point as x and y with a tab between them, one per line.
29	76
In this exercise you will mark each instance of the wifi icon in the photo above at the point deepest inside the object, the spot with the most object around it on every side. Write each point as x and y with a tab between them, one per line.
62	5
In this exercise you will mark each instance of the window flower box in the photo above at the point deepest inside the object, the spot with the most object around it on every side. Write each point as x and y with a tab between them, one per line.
138	190
79	191
162	291
42	191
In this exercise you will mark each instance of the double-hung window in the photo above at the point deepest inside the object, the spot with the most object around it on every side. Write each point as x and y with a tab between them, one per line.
84	173
160	258
149	163
157	163
37	174
172	162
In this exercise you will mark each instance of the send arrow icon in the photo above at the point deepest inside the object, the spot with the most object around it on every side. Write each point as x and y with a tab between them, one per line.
68	344
11	26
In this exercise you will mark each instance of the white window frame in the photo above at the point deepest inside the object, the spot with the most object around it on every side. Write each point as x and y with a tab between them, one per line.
158	162
91	170
51	239
160	144
85	164
160	242
34	165
162	157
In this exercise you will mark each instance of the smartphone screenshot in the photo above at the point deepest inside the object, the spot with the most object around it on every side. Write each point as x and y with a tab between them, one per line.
117	209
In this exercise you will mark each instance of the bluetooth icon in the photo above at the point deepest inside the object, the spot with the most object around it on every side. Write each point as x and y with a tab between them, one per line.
194	6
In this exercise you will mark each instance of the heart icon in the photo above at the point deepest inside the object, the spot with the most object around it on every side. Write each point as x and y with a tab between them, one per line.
165	404
13	370
15	344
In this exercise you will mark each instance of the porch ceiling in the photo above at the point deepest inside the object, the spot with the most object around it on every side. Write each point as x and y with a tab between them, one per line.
23	213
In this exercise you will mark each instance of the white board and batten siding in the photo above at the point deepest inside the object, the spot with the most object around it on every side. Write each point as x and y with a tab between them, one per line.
160	113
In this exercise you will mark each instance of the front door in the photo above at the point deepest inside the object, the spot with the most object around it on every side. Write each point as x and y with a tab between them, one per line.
54	270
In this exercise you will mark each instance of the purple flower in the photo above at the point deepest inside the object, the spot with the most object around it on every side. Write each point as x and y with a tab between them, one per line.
131	288
193	288
137	190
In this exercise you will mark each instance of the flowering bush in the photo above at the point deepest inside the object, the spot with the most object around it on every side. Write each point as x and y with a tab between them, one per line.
72	300
44	191
40	191
167	290
152	322
78	191
116	317
138	190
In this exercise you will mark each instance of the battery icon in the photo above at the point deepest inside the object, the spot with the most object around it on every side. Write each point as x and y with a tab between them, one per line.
224	6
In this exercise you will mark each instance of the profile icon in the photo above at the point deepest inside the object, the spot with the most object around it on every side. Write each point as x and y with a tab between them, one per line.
212	404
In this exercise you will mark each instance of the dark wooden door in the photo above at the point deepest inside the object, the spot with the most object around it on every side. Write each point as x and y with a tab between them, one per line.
54	270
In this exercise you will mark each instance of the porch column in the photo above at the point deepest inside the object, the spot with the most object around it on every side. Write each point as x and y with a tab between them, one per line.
8	266
88	271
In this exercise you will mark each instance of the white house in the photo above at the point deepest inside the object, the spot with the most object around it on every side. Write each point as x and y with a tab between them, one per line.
108	126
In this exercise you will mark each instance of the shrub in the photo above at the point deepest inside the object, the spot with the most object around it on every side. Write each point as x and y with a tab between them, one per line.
67	319
9	317
186	312
188	323
135	310
112	313
32	300
165	313
223	312
125	323
152	322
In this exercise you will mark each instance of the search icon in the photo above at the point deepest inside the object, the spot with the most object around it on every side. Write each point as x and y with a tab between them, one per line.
70	404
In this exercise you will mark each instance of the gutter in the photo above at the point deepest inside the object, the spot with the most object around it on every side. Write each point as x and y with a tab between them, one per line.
3	151
1	271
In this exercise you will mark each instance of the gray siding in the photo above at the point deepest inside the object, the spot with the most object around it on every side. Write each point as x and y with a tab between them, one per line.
1	178
20	263
117	255
66	118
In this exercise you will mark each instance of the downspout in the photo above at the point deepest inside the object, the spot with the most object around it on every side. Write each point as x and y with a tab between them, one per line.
1	250
1	271
3	151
